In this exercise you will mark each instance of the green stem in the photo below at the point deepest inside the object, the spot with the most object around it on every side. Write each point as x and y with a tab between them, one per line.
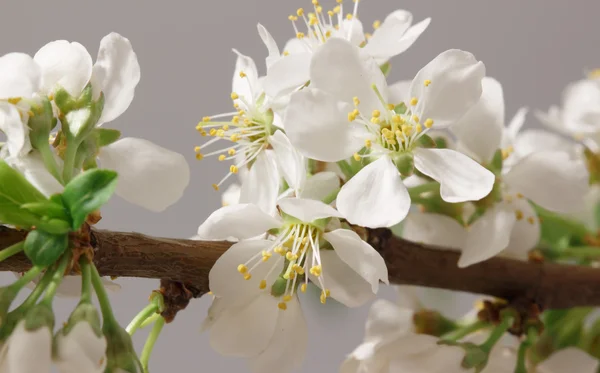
497	332
464	331
423	188
27	277
580	252
49	160
150	342
144	314
150	320
331	196
522	353
36	293
69	163
57	278
86	280
346	169
105	307
12	250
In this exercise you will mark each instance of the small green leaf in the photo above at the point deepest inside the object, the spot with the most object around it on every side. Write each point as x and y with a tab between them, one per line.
386	68
425	141
106	136
497	161
400	108
47	209
44	248
88	192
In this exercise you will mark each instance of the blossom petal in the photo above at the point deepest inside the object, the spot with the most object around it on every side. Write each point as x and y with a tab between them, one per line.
569	360
359	255
116	73
149	175
346	71
64	64
320	185
307	210
284	354
264	173
480	129
291	163
20	76
434	229
352	30
271	45
554	180
461	178
231	195
525	234
399	91
33	168
395	35
226	282
247	85
317	124
375	197
81	350
17	132
386	320
20	344
535	140
287	74
489	235
455	87
240	221
346	286
246	331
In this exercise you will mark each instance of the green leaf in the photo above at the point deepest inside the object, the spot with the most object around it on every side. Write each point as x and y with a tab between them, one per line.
47	209
400	108
425	141
44	248
106	136
87	193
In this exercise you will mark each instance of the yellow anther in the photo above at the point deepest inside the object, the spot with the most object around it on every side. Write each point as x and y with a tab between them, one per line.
266	255
356	157
210	293
233	169
236	105
287	298
291	256
282	306
415	118
368	143
263	284
242	74
300	12
300	35
376	24
397	119
206	119
303	288
337	9
242	268
519	195
316	270
427	82
531	220
212	132
315	2
298	269
247	276
375	120
390	106
594	74
319	9
222	157
231	151
519	214
241	112
356	101
279	250
508	199
291	275
14	100
215	187
293	18
348	16
330	13
199	156
351	117
328	34
428	123
406	129
234	96
313	21
197	149
247	121
324	294
339	1
418	128
220	133
235	137
376	114
286	53
226	127
414	101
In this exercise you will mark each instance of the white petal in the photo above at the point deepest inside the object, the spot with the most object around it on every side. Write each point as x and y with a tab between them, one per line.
291	163
287	348
455	87
149	175
32	167
386	320
20	76
399	91
346	71
226	282
116	73
525	234
480	130
317	125
554	180
81	350
395	35
320	185
581	107
569	360
264	173
352	30
247	86
231	195
461	178
271	45
434	229
296	46
345	285
20	345
64	64
359	255
535	140
489	235
307	210
287	74
17	133
375	197
246	331
516	123
240	221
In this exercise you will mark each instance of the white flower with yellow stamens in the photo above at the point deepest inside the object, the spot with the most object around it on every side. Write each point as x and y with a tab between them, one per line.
346	108
290	70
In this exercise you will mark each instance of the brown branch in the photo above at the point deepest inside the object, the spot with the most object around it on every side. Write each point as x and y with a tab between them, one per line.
188	262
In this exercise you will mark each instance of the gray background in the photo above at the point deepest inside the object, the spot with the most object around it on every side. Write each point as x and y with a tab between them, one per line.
534	47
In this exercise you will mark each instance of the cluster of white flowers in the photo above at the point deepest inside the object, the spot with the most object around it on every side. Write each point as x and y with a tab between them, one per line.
322	144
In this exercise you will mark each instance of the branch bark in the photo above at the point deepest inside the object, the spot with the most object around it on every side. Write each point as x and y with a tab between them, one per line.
549	285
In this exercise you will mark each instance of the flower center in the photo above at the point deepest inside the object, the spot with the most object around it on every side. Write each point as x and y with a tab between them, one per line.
248	129
298	247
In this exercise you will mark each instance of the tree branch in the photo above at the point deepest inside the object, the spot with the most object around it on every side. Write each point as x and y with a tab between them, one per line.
189	262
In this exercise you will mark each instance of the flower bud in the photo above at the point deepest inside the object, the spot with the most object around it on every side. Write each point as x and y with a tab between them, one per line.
120	354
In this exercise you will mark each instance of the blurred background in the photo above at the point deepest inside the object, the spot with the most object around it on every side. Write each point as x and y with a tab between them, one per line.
534	48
